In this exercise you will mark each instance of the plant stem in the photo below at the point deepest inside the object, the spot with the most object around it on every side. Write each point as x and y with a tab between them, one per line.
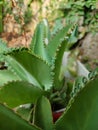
58	99
54	95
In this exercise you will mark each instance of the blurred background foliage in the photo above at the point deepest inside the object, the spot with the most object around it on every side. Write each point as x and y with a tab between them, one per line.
20	18
29	12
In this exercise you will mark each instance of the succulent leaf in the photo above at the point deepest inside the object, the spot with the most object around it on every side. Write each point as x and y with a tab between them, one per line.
78	85
57	26
40	39
7	76
58	64
82	111
43	114
73	37
57	40
58	61
11	121
29	67
3	46
24	111
18	93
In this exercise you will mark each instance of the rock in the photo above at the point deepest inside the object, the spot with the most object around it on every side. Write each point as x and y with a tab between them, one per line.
89	47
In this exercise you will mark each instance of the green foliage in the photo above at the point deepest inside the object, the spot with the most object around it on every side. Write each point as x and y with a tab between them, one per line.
19	92
81	112
43	114
35	71
22	63
3	46
7	9
56	40
33	77
41	36
10	120
28	15
83	12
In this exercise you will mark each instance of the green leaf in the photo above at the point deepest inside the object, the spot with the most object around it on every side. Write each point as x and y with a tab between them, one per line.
3	46
58	64
29	67
43	114
7	75
18	93
11	121
57	40
25	111
73	38
41	39
83	112
57	26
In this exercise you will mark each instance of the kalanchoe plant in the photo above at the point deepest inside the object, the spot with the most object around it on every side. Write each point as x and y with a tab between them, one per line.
32	76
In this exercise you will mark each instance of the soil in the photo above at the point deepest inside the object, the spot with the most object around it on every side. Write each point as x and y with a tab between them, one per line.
16	40
12	34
